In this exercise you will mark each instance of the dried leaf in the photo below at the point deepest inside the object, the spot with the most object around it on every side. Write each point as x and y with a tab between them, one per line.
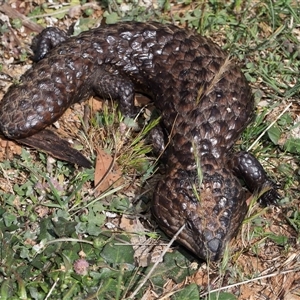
95	104
146	250
107	173
8	149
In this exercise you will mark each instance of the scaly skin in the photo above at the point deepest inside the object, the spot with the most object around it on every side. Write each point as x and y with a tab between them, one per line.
205	103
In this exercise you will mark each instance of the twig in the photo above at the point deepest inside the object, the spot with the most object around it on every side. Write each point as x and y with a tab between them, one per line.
52	288
14	14
250	280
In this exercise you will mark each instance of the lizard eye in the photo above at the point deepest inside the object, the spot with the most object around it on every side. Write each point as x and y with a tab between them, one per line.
188	225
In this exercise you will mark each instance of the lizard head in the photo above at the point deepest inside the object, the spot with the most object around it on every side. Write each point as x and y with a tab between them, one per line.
211	212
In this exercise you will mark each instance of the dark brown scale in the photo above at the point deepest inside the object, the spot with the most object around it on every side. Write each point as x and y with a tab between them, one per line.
205	104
